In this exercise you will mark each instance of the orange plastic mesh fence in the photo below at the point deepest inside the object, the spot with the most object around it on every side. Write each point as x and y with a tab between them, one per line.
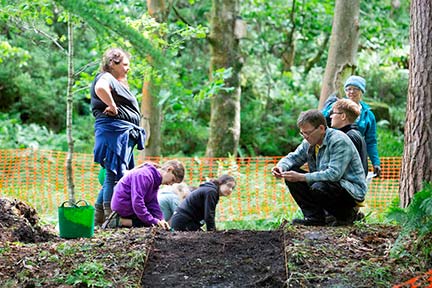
38	177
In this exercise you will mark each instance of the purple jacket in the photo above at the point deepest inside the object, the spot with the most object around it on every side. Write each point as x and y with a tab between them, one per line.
136	194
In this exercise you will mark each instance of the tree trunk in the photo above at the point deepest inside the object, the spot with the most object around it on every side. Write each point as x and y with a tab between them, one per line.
69	106
150	109
158	10
343	48
225	106
289	53
151	119
417	158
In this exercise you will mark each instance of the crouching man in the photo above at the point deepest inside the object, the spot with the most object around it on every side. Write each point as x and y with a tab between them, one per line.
336	180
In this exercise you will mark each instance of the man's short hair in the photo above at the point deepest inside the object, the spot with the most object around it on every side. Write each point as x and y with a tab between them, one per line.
313	117
349	107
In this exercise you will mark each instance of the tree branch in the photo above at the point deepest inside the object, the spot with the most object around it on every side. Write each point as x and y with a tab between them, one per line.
94	63
180	16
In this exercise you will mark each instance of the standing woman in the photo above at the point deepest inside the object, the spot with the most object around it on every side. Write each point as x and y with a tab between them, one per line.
117	128
355	87
200	205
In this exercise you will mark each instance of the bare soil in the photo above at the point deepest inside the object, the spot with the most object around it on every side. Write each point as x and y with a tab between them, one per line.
232	258
33	255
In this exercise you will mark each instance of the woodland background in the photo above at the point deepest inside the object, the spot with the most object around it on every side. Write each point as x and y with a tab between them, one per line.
283	58
280	70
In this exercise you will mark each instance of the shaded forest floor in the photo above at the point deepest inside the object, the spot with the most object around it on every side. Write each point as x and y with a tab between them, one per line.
292	256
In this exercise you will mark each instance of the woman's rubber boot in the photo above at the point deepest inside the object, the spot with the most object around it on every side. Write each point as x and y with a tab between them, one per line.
99	215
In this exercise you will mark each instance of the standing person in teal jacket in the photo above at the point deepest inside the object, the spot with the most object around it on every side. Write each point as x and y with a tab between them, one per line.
355	87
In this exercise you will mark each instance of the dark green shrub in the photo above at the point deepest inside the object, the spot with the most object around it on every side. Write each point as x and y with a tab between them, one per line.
415	239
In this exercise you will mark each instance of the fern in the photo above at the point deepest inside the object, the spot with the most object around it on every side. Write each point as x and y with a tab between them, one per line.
416	223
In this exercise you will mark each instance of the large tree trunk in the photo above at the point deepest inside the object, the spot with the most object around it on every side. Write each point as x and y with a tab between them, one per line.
225	106
417	159
150	109
343	47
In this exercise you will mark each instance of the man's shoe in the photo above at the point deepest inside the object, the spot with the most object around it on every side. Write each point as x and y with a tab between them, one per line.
309	222
357	216
338	223
329	219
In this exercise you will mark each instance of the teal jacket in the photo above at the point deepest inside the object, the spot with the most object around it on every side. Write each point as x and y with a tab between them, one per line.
168	202
366	125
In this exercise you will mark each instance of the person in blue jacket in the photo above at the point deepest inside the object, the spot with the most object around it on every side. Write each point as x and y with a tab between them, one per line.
335	180
355	87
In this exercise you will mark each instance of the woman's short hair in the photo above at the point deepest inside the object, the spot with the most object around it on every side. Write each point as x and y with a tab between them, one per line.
112	55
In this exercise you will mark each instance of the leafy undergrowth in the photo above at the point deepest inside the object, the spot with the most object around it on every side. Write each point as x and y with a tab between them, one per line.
356	256
110	259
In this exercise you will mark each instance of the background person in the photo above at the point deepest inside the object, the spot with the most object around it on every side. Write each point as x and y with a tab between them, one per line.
200	205
343	116
135	203
335	181
117	128
355	87
170	197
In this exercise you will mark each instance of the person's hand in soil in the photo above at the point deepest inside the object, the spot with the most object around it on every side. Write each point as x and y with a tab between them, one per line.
164	225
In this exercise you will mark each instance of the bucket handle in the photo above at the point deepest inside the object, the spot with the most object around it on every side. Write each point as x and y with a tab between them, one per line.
75	204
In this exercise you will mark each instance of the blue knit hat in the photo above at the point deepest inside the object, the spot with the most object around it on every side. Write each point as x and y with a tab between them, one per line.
356	81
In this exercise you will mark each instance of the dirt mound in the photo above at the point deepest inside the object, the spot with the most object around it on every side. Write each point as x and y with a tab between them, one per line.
20	222
231	258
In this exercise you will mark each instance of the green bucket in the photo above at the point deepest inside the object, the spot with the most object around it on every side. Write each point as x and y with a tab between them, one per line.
76	221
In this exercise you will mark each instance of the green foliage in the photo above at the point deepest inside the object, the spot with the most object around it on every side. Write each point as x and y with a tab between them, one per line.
269	120
15	54
18	135
377	34
390	143
216	84
100	20
33	67
263	224
271	29
90	274
416	222
418	215
375	272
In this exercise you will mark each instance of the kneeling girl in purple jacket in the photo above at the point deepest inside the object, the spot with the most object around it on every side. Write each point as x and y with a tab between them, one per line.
135	195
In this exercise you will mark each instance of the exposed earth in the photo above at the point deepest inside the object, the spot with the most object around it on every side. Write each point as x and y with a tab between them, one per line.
33	255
